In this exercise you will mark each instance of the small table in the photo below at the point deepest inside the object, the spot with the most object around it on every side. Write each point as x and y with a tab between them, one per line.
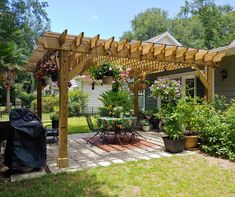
120	126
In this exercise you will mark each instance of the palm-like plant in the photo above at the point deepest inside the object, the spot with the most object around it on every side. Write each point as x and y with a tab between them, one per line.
11	60
112	100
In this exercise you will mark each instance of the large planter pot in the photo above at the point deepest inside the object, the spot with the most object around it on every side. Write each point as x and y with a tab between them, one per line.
107	80
191	142
55	124
146	128
155	123
173	146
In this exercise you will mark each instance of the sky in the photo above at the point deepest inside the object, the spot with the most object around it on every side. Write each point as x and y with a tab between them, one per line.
105	17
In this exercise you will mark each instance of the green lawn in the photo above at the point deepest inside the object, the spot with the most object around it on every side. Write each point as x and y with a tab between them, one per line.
175	176
75	124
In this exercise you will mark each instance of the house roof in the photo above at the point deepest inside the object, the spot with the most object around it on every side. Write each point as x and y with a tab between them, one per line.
159	39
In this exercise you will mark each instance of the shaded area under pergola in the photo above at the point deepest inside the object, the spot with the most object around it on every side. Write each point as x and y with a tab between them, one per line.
75	54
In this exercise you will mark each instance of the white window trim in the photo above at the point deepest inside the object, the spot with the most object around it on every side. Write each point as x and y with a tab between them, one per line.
183	77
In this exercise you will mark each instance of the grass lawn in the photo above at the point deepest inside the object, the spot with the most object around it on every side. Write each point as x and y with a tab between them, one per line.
75	124
190	175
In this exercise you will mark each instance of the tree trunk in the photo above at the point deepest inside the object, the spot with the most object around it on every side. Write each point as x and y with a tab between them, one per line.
8	87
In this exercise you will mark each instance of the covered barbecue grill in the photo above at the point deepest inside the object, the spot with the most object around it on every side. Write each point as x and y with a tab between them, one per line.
26	145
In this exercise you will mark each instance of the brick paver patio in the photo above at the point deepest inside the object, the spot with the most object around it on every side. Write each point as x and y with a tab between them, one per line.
83	155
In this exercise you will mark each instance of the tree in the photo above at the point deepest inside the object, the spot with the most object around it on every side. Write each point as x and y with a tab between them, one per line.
148	24
199	24
22	21
189	32
12	59
216	21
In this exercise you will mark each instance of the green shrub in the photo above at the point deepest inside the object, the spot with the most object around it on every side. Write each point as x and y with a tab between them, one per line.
216	130
26	99
220	103
49	103
229	118
215	126
77	102
187	107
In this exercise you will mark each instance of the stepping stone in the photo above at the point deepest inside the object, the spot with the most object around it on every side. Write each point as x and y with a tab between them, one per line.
104	163
28	175
117	161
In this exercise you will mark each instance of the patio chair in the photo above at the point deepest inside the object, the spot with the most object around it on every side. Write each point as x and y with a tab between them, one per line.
51	132
98	131
5	130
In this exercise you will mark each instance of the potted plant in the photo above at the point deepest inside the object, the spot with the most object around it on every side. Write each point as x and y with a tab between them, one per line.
167	90
146	125
118	111
191	140
106	72
109	74
148	114
47	69
173	127
188	107
54	120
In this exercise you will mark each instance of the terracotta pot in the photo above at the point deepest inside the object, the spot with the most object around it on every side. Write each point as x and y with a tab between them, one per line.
191	142
107	80
173	146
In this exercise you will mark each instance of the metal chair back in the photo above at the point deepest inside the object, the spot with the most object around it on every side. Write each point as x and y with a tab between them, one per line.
89	122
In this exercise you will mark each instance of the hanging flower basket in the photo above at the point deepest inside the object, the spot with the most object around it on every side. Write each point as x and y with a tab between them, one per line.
107	80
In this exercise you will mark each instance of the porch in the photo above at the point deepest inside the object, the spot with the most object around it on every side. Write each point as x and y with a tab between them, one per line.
83	155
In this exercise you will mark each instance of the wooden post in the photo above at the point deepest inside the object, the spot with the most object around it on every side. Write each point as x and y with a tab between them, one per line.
136	98
209	91
39	99
63	114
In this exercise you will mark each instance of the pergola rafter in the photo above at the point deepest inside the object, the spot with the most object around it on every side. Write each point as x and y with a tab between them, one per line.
76	54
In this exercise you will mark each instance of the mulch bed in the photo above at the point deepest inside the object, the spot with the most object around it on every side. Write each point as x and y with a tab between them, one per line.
110	145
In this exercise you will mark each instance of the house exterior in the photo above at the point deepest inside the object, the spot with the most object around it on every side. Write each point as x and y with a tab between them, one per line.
93	94
223	77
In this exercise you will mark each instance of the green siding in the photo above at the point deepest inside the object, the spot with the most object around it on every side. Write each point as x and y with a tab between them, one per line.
226	87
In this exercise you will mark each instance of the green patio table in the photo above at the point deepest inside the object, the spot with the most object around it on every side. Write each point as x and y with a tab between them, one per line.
116	123
120	127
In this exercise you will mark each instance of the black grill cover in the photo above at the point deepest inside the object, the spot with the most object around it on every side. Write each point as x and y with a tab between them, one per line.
26	146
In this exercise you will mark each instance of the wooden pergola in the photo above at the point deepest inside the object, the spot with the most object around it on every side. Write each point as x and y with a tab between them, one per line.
75	54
